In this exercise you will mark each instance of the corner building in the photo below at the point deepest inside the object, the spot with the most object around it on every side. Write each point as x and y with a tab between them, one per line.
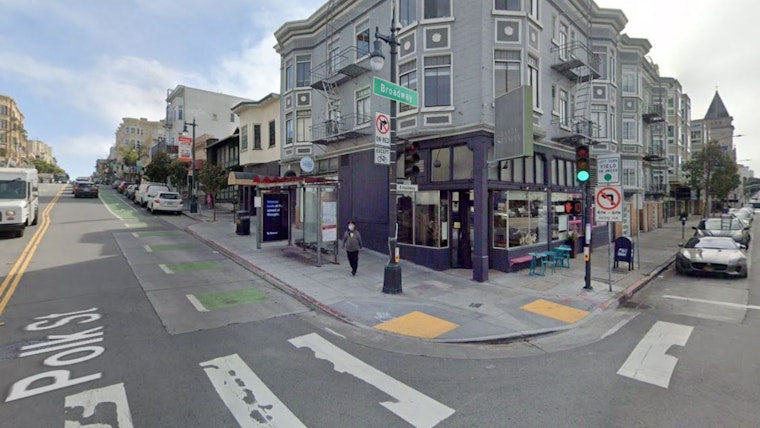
471	211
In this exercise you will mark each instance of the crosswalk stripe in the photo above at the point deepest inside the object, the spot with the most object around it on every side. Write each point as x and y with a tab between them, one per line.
250	401
87	406
414	407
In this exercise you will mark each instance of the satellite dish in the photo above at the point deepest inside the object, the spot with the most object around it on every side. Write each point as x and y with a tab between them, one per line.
307	164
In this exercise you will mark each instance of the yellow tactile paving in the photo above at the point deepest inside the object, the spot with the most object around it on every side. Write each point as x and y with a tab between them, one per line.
554	310
417	324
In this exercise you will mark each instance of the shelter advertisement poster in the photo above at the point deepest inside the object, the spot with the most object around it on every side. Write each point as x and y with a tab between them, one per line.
329	221
275	217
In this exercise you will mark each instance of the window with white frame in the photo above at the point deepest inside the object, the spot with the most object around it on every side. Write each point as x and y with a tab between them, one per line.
333	114
362	39
628	175
362	106
511	5
289	128
555	100
303	126
612	71
630	81
257	137
407	13
333	55
438	81
288	75
602	65
630	130
533	8
506	70
303	70
436	8
613	125
564	111
562	40
180	115
407	77
599	117
272	137
555	20
244	138
533	80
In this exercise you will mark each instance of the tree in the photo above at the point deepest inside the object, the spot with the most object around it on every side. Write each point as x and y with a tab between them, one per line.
713	172
158	169
213	178
178	174
46	168
129	153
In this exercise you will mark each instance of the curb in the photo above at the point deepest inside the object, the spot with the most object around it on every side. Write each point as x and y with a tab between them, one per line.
622	297
276	282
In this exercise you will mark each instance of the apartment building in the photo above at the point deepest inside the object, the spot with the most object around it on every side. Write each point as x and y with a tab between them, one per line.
139	136
40	150
471	210
13	135
210	111
259	134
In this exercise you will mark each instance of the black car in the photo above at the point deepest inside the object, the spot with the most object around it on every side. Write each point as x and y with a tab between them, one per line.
85	190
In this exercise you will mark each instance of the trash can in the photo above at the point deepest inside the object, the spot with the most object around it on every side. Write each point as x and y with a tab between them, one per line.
243	222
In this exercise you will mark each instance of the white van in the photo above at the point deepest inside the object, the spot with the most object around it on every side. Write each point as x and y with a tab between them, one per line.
19	199
146	189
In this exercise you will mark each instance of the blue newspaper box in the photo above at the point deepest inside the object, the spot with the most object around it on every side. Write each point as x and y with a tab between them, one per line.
624	251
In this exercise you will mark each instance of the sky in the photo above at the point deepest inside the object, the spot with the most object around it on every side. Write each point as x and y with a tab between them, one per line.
77	67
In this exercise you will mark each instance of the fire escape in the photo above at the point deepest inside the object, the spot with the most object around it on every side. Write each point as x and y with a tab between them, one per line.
340	67
576	62
655	154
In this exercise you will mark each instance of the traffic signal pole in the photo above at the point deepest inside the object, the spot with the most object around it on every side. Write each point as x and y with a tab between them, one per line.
583	175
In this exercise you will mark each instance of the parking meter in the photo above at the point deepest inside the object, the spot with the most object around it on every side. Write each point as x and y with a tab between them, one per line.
683	225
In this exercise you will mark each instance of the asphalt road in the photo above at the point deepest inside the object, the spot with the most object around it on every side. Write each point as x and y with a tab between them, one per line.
122	319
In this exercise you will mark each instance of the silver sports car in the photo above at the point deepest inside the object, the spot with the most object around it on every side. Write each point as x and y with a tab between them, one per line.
713	255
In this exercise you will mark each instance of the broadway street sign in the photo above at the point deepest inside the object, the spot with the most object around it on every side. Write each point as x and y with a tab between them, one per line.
395	92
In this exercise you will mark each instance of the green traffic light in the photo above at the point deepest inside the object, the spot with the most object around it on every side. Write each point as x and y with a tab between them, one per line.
583	176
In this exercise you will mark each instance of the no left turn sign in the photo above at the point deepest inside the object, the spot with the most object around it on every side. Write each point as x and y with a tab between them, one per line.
609	201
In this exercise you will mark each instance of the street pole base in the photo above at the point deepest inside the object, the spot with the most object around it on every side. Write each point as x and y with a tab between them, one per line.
392	279
193	207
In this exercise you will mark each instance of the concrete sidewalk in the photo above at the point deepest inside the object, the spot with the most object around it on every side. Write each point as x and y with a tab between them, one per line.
446	306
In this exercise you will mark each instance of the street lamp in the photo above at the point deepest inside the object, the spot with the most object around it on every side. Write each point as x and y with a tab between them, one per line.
392	273
194	198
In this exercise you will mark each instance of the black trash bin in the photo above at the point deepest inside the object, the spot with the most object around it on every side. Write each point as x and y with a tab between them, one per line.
243	222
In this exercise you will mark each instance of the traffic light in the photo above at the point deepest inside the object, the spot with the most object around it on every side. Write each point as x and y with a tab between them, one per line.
411	159
582	164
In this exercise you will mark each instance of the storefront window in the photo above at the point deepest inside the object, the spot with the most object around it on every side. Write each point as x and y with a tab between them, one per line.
443	158
422	219
519	219
565	221
462	163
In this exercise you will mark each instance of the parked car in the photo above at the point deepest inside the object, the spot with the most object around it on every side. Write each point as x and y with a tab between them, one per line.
712	255
116	183
123	187
129	192
84	189
141	194
165	201
725	225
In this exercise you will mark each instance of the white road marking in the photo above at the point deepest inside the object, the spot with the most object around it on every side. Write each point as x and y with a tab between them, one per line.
85	405
246	396
649	362
615	328
414	407
196	303
713	302
165	268
136	235
331	331
148	249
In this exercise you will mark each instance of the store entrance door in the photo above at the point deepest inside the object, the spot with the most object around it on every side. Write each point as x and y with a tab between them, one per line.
461	229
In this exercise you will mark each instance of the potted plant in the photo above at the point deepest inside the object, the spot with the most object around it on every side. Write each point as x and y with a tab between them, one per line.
572	239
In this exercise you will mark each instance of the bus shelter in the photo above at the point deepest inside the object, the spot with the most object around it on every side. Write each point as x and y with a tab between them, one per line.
301	210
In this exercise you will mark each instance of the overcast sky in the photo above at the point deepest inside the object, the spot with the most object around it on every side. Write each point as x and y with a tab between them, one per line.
76	67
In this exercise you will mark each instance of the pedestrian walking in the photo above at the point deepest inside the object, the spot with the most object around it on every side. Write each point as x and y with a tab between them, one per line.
352	243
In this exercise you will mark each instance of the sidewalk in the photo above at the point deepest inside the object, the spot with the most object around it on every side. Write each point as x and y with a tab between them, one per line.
446	306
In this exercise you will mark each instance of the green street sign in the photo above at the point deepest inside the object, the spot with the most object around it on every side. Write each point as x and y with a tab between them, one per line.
394	92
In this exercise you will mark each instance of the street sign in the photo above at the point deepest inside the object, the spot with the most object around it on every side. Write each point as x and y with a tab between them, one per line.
400	187
382	155
608	169
609	203
395	92
382	130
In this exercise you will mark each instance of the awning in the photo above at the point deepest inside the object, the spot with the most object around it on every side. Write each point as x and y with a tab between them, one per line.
238	178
